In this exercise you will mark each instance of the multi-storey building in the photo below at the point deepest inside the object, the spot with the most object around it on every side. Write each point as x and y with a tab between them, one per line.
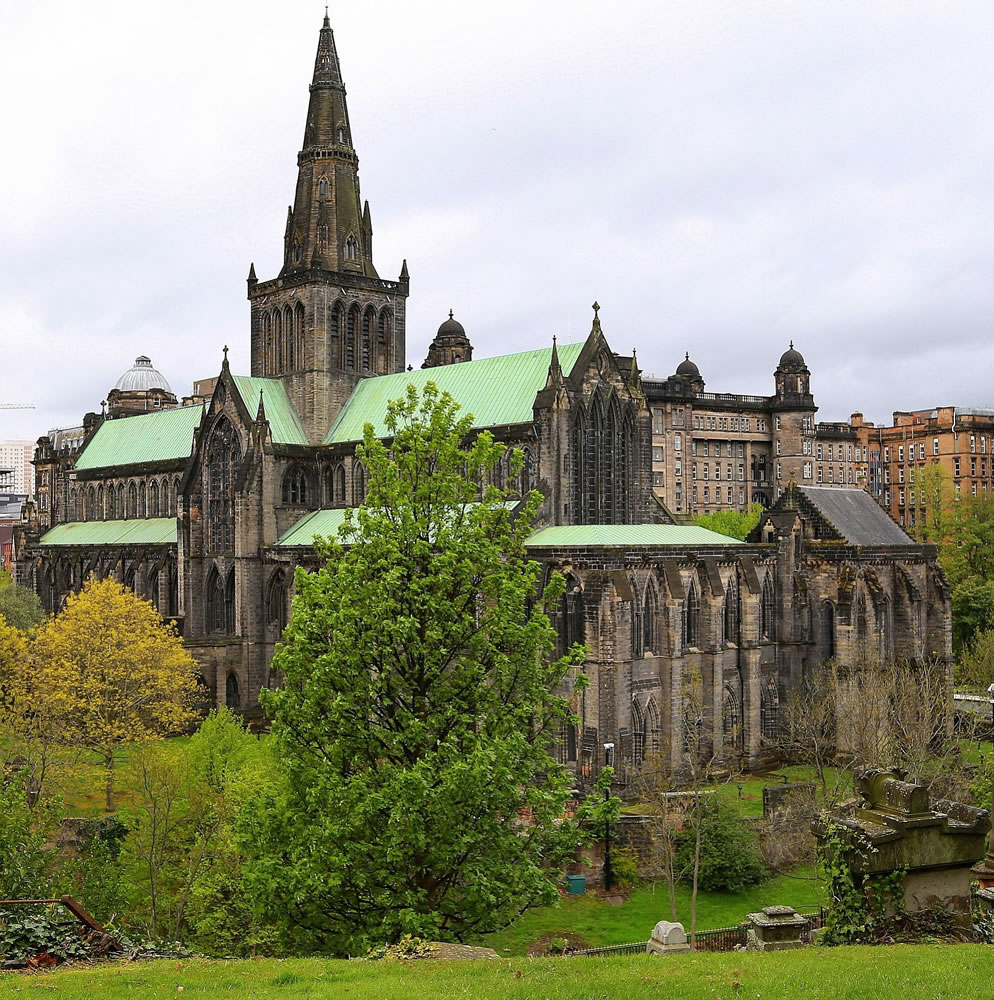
958	440
15	456
715	451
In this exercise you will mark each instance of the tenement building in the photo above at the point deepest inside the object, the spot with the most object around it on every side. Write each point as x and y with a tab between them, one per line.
927	457
714	451
694	639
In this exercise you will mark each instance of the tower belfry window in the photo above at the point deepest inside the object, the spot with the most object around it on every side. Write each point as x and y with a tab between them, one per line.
323	187
351	248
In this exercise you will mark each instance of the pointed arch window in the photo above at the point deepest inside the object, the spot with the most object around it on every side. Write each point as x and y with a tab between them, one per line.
229	602
119	501
827	630
153	499
101	513
572	629
731	721
649	620
290	337
384	347
335	335
276	602
296	488
692	616
733	610
142	509
323	187
132	500
351	248
232	697
769	711
638	633
172	589
768	609
339	474
527	471
652	725
91	504
368	318
215	601
358	483
639	733
153	588
350	338
223	456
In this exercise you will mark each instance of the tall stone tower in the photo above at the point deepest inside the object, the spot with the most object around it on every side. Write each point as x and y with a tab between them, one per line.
793	408
328	320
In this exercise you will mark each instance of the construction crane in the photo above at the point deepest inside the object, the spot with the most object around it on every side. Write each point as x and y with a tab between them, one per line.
17	406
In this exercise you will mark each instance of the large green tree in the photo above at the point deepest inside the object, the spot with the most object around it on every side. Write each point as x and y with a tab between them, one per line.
418	706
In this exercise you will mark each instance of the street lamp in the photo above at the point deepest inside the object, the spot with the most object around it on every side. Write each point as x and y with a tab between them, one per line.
608	874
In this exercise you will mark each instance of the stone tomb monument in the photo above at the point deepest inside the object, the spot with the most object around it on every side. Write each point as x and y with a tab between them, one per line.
668	938
775	928
935	843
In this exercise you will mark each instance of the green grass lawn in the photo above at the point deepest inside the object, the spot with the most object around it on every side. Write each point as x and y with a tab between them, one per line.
601	923
901	972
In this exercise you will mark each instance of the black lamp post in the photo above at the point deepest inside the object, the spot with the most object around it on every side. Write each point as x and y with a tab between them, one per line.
608	874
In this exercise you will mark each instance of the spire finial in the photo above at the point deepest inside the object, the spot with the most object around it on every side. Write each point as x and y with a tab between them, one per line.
450	314
225	349
792	345
596	308
327	23
224	362
686	355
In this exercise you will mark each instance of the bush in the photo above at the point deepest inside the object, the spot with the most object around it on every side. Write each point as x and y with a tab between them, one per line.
730	858
624	869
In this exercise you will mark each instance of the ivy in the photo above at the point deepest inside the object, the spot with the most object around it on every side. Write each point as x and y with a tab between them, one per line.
862	908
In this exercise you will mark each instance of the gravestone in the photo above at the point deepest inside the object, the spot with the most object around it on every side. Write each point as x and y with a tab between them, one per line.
775	928
668	938
901	830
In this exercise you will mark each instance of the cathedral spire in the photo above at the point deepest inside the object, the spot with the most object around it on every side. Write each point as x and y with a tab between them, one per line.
327	226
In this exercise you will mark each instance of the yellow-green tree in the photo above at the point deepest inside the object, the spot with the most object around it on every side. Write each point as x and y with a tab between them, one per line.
114	672
30	721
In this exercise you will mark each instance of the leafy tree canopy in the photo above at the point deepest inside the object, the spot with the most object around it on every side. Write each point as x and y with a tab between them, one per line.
19	606
112	672
735	523
417	710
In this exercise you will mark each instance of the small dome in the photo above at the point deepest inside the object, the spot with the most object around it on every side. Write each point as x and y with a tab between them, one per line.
451	328
791	358
142	377
688	368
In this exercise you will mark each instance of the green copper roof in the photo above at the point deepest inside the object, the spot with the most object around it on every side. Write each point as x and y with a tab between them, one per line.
284	423
587	535
142	531
319	522
495	390
327	522
150	437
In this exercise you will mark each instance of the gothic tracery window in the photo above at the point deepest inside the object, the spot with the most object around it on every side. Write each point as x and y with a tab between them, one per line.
692	616
768	609
769	711
276	602
223	456
296	489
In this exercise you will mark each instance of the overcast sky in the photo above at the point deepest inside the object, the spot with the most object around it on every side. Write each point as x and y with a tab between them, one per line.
722	177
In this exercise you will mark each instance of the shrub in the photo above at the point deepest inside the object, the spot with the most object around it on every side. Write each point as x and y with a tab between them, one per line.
730	857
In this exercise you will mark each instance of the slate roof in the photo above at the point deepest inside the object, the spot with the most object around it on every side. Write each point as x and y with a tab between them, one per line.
284	424
496	391
856	516
136	531
150	437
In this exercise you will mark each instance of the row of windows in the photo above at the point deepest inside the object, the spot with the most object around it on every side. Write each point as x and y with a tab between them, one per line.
361	339
708	497
733	449
735	423
283	338
158	584
136	499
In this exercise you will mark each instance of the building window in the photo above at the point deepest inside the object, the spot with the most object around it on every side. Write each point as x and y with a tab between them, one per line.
678	467
769	711
935	446
678	442
276	602
657	421
821	474
692	616
657	453
223	455
806	446
657	479
767	609
807	470
295	486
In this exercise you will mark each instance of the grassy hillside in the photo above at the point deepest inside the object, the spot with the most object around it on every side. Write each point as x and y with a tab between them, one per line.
902	972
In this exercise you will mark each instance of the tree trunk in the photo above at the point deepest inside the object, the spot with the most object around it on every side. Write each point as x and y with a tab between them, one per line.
697	870
109	767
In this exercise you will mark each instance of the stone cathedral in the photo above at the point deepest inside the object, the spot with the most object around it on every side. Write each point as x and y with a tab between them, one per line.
207	506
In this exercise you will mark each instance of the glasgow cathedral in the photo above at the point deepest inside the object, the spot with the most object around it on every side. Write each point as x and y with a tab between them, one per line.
206	506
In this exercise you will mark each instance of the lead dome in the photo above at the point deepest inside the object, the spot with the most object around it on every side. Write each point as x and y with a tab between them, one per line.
791	358
142	377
